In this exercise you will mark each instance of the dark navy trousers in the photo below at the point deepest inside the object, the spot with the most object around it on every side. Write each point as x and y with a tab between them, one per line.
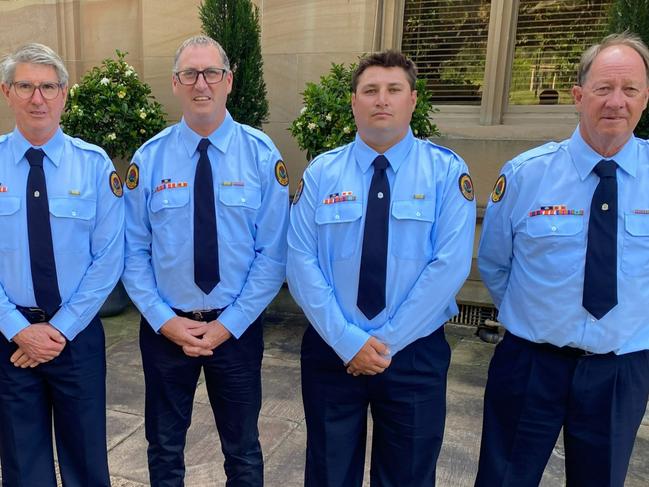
233	380
71	391
408	405
533	390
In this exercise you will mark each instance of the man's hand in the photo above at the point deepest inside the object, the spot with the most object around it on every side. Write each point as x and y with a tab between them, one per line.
22	360
216	334
371	359
41	342
186	333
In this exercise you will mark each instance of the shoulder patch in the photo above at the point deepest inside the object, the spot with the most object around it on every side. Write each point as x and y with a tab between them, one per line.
466	186
298	193
499	189
115	184
280	173
132	176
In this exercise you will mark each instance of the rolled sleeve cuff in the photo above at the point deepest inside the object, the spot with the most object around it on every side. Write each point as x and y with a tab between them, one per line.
234	321
13	323
67	323
350	343
158	315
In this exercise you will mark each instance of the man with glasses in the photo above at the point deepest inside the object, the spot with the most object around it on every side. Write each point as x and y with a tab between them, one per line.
61	253
207	211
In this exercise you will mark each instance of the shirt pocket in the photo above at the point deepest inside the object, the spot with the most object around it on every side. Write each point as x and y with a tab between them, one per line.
556	244
338	228
9	219
635	249
240	197
170	215
411	230
72	220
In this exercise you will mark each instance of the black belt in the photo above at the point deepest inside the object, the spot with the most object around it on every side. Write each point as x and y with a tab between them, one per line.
35	315
566	351
199	315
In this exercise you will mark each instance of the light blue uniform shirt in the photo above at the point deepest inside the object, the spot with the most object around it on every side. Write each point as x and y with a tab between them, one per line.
251	216
87	222
534	265
429	251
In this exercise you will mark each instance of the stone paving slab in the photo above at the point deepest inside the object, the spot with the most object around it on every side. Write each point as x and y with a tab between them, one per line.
282	427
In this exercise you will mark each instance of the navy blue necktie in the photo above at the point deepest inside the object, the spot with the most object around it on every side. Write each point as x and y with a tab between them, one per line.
600	276
374	259
206	246
39	232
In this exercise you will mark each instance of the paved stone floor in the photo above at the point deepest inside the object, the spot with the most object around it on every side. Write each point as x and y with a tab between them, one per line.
283	432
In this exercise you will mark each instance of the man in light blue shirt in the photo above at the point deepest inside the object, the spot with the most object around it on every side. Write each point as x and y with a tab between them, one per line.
61	253
206	218
575	354
380	241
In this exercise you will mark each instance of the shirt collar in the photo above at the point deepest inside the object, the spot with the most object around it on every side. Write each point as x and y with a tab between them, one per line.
585	157
220	138
53	148
396	154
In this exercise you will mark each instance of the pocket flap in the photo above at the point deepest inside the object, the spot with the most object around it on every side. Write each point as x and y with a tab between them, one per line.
240	196
72	208
637	225
421	210
338	213
169	198
9	205
552	225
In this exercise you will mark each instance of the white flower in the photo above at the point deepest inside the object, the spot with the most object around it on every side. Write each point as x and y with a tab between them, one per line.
311	126
121	93
104	81
73	89
328	117
346	129
142	131
111	136
129	71
302	110
142	114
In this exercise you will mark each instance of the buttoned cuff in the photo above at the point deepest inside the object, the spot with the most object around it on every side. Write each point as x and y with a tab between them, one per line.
67	323
350	343
158	315
234	321
13	323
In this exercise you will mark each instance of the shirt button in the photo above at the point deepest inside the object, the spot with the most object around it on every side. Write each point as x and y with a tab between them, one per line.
243	200
419	213
554	229
74	213
337	217
165	201
592	320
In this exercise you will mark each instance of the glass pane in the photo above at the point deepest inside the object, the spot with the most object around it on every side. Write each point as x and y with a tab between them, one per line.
550	38
447	39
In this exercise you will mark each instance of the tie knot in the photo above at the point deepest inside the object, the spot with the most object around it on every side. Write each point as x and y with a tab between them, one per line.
380	163
605	169
203	145
35	156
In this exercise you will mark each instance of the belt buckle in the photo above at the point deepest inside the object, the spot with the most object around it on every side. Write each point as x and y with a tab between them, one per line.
199	315
38	313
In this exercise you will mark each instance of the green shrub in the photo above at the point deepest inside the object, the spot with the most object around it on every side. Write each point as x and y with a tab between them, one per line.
326	119
235	25
633	15
112	108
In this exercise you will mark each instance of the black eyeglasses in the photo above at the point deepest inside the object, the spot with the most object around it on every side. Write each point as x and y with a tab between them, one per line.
25	90
210	75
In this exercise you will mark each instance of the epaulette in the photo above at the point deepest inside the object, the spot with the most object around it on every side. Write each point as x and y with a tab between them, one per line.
258	135
83	145
541	150
441	148
328	155
163	133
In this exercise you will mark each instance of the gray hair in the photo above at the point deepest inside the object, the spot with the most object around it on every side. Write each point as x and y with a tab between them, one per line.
201	40
33	53
622	39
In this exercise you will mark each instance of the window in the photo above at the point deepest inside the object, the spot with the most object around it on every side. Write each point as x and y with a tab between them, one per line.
447	39
550	38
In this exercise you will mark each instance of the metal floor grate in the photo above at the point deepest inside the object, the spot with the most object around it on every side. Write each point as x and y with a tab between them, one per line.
472	315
